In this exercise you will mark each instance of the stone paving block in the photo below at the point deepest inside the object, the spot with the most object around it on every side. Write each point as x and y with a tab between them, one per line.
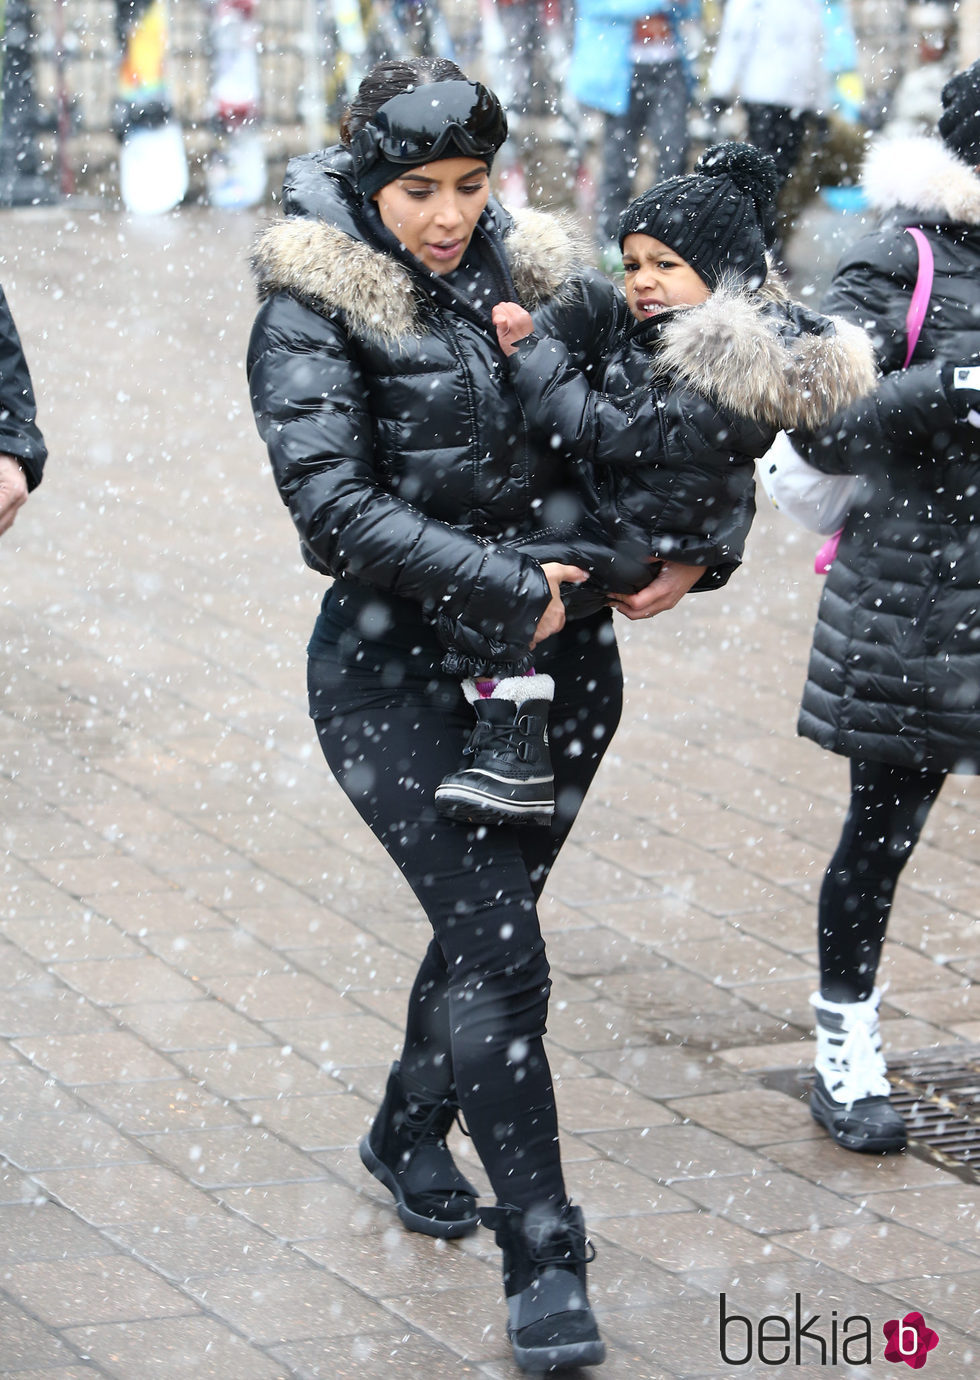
603	1104
606	1188
176	1104
126	982
203	1024
51	1010
878	1251
360	966
94	1289
315	1123
341	1041
289	1305
953	1002
217	952
683	1241
256	1072
774	1116
592	1026
25	1343
33	900
386	1260
654	920
305	1211
42	1230
160	911
279	996
73	1141
771	1202
790	927
788	1001
75	932
374	1356
207	1241
229	1156
734	958
676	1153
659	1072
951	1212
954	1298
91	877
23	1088
122	1193
471	1322
173	1349
95	1057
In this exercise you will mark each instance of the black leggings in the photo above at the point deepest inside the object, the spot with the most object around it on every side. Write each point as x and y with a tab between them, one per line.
391	725
889	805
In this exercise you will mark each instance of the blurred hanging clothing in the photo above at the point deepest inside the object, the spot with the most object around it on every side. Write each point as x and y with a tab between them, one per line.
631	61
770	58
528	47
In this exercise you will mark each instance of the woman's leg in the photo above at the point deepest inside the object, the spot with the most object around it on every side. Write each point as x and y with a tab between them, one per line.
389	751
888	808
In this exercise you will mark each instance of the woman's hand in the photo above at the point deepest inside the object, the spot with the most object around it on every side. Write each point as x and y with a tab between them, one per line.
553	618
513	323
672	582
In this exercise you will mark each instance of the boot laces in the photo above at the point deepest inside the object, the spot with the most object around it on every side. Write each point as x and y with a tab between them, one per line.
568	1246
421	1118
498	737
859	1066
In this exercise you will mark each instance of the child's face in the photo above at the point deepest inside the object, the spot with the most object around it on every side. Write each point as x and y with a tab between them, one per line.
657	278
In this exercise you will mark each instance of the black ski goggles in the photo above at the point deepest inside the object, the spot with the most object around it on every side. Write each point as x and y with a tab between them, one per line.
419	126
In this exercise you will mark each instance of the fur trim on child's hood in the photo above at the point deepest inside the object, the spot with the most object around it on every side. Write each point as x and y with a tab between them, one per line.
731	349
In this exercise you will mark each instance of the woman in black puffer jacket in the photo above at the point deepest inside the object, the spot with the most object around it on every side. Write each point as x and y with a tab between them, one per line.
894	676
402	451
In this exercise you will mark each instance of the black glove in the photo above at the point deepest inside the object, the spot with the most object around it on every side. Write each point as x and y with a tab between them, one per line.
961	383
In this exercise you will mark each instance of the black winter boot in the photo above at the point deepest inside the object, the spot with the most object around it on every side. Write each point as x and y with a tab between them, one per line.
508	778
550	1323
406	1150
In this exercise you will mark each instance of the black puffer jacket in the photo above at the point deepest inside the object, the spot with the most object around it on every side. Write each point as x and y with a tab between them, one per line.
894	673
395	434
689	400
19	435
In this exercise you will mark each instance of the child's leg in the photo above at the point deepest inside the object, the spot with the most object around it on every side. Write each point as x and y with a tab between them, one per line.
505	776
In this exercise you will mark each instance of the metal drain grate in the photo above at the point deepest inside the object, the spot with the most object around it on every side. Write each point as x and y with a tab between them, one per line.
937	1094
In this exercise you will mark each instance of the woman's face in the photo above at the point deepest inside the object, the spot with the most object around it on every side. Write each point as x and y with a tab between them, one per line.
434	209
658	279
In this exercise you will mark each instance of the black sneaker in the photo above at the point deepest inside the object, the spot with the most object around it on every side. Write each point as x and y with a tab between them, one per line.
509	779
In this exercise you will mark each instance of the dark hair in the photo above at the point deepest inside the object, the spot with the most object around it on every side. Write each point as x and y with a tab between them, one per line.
387	79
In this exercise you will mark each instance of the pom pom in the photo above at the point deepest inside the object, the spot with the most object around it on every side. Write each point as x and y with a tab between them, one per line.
752	171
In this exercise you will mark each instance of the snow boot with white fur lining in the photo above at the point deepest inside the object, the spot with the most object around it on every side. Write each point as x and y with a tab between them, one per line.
508	778
849	1097
406	1150
550	1323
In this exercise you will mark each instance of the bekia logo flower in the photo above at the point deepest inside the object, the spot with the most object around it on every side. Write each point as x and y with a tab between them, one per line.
909	1340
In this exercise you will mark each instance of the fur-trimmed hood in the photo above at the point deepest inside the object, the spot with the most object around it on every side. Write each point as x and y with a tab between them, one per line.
918	173
329	262
736	349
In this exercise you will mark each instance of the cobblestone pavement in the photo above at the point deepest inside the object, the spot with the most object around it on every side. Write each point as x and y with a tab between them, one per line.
204	957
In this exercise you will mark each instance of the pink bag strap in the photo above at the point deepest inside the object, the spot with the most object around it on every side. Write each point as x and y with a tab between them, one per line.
923	291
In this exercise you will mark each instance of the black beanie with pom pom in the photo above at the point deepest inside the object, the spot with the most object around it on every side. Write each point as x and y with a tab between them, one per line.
959	123
720	218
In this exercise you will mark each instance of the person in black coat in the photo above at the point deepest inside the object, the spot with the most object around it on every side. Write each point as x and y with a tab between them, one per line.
894	674
22	448
400	447
712	360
